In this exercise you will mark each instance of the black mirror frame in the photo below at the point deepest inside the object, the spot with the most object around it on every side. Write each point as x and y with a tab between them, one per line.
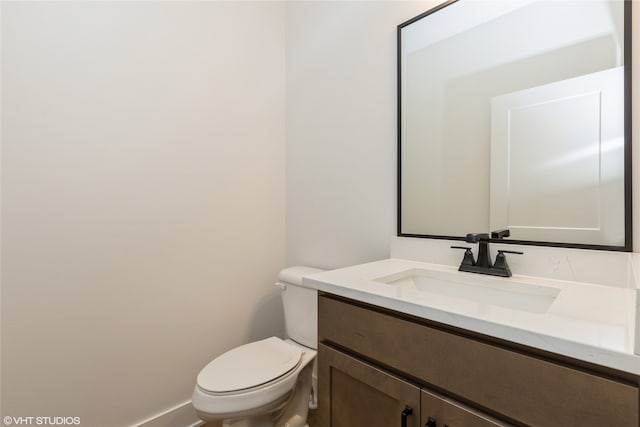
628	195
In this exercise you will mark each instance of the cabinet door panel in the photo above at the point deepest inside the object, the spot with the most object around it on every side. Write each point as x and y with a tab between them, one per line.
354	394
448	413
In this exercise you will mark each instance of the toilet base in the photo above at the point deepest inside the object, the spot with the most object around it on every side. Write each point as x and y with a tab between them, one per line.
292	412
253	423
247	423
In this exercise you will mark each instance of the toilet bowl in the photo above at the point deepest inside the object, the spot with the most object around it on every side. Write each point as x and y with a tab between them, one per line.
257	380
267	383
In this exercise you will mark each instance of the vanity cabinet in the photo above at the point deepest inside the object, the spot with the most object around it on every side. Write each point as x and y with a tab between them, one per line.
373	363
361	395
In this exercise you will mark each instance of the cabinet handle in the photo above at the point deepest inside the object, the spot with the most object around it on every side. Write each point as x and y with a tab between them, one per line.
404	414
431	422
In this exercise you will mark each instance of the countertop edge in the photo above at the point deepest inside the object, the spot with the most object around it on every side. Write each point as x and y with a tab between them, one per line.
629	363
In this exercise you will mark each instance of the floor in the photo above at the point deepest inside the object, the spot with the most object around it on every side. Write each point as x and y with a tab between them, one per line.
311	420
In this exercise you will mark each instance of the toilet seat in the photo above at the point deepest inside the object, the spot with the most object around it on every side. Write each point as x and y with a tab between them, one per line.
211	404
249	366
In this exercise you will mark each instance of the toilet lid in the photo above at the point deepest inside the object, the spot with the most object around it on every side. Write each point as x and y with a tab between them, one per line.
249	365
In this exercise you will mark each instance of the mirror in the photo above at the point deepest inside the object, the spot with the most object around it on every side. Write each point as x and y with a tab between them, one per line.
516	115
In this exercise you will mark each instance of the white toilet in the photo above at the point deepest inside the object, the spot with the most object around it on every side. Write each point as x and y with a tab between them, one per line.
268	383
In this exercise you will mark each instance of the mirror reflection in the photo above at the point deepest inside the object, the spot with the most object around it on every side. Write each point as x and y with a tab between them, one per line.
512	116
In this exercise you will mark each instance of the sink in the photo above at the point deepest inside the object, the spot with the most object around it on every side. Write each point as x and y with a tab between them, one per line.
502	292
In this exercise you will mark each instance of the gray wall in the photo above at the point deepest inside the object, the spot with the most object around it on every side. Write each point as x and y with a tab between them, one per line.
142	199
341	129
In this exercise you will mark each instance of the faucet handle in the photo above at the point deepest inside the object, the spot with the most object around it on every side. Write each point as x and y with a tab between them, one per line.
468	255
501	261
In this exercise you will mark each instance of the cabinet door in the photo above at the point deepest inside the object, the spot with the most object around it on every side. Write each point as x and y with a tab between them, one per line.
438	411
353	393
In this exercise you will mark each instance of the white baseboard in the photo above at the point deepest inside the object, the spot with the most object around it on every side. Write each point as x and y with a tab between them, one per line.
182	415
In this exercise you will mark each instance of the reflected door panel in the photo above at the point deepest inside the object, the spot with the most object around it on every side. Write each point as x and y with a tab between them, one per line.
557	161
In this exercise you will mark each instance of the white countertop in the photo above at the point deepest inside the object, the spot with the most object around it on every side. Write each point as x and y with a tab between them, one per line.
588	322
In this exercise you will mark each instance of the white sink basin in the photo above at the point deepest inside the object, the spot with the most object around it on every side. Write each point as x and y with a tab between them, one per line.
503	292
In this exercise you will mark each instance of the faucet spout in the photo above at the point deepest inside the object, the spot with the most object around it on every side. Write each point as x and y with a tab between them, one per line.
482	239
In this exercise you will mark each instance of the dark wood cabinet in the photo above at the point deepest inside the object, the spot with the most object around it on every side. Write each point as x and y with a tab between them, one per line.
466	381
356	394
444	412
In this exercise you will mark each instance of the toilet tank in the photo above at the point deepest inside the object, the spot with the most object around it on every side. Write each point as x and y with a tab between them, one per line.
300	306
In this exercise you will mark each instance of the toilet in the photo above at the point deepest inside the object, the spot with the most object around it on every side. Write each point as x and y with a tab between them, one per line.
272	382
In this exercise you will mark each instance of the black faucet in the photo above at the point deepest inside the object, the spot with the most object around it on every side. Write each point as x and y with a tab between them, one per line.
483	265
